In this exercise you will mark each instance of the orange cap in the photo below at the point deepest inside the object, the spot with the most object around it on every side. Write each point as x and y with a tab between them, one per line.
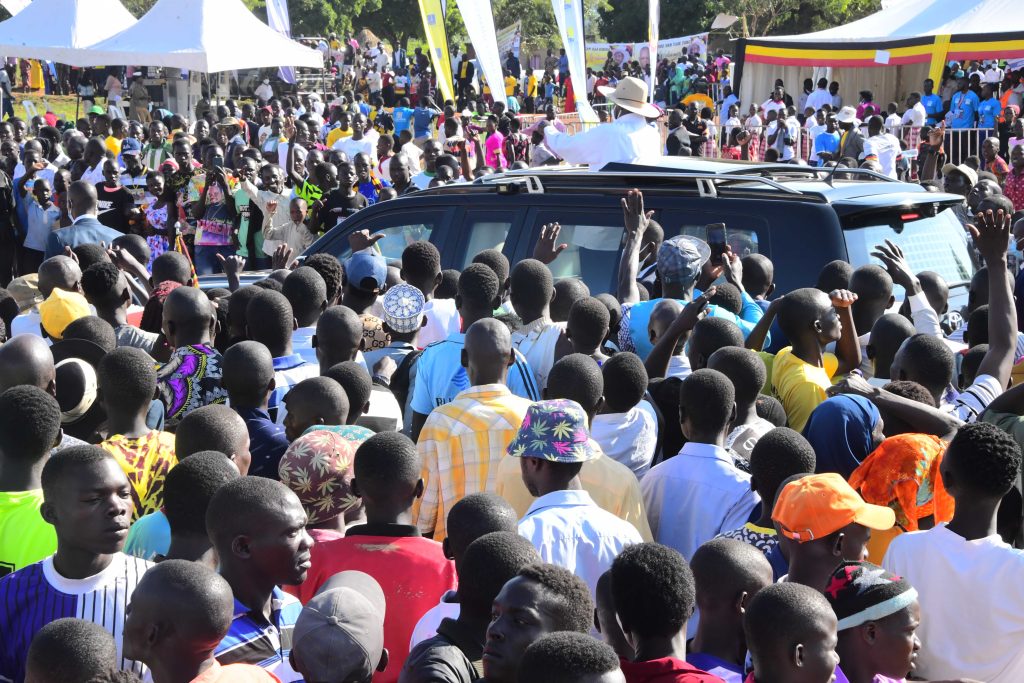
821	504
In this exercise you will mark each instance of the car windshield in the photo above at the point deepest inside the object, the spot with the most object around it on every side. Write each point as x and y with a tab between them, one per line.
937	243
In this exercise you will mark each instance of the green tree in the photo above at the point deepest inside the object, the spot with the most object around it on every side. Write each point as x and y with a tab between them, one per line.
626	20
394	20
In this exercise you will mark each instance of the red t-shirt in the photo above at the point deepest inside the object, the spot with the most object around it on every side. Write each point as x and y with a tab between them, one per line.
665	670
412	571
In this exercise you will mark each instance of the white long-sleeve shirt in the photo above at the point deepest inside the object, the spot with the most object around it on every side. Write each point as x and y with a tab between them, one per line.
626	139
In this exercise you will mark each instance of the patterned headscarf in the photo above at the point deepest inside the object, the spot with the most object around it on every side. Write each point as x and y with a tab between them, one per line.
318	468
903	474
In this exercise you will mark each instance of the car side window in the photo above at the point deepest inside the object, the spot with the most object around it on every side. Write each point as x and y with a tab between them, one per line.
399	232
594	243
483	231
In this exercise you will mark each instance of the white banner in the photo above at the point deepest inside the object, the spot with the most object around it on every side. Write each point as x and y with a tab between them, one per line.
569	15
509	39
653	19
277	19
14	6
479	21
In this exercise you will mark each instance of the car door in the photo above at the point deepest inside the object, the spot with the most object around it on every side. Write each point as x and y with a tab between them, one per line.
400	228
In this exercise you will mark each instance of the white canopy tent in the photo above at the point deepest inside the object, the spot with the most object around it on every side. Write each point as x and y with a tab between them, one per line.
56	30
205	36
911	40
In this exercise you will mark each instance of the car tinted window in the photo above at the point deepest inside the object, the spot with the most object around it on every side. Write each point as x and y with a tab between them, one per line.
399	231
483	233
938	244
742	241
592	254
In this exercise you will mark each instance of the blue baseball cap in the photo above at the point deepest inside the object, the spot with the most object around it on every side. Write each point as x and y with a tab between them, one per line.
365	266
131	146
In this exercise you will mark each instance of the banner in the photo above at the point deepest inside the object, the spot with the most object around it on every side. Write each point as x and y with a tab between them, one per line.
670	49
14	6
432	12
277	19
510	39
653	19
479	21
569	15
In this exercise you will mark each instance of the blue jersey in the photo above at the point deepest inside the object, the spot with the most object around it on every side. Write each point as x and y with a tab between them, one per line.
440	375
933	105
989	112
402	117
421	120
32	597
963	108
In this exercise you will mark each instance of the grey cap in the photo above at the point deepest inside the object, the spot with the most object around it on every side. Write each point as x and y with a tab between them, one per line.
339	635
681	258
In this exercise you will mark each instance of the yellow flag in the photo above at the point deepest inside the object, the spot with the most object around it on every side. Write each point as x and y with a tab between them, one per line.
437	41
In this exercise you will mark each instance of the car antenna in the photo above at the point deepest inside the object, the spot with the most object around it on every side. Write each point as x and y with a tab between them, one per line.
831	173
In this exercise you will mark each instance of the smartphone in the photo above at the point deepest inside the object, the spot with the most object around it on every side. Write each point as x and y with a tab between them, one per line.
218	161
718	240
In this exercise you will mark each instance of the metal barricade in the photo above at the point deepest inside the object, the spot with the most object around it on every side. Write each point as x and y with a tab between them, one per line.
961	143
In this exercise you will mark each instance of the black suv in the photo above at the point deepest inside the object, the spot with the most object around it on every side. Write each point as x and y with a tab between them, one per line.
800	217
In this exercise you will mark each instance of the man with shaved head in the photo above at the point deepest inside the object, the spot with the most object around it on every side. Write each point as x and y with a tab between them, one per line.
85	228
462	442
338	338
58	272
191	378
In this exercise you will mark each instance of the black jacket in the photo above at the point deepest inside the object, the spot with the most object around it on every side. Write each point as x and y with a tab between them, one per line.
452	656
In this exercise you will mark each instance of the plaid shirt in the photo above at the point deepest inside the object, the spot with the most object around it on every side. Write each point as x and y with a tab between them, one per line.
461	444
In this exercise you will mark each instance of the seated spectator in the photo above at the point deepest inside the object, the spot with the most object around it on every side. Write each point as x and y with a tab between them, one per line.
878	615
699	493
822	521
180	611
652	589
339	635
87	500
627	427
567	657
727	575
967	633
565	524
414	570
791	633
257	527
462	442
556	599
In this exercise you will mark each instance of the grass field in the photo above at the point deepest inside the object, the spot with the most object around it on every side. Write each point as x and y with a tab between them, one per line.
61	105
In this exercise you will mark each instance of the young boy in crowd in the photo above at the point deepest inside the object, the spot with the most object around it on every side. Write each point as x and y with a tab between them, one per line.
248	377
968	628
43	218
569	657
72	649
189	488
823	522
747	372
414	571
627	426
87	500
587	328
878	617
652	589
727	575
791	633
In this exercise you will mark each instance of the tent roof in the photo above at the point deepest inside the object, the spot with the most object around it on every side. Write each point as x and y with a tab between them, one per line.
919	18
200	35
57	29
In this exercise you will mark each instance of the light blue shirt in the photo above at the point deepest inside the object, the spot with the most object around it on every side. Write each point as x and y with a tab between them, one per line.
149	536
440	375
569	529
696	496
933	105
988	112
402	117
963	108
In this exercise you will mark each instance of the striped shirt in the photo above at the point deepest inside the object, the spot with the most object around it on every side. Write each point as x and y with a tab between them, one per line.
461	445
254	640
37	595
440	375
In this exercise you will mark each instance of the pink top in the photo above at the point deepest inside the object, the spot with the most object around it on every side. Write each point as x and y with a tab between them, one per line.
494	156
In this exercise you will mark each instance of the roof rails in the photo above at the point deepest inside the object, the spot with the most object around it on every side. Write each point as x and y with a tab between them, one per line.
823	172
707	184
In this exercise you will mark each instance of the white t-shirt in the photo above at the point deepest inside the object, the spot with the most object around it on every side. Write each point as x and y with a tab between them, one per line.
975	398
885	147
353	147
972	605
442	320
630	438
915	116
537	342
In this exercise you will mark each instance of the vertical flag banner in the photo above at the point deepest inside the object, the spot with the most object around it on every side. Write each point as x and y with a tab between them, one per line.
653	17
432	12
569	15
277	19
479	21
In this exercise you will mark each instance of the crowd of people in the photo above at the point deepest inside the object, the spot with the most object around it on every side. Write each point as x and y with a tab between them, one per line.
381	470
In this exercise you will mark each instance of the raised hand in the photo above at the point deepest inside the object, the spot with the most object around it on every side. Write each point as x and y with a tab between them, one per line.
547	248
633	215
842	298
991	234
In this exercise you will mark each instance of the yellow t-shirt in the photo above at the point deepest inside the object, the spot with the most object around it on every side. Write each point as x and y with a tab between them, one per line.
700	99
146	461
531	86
510	86
336	135
113	144
801	386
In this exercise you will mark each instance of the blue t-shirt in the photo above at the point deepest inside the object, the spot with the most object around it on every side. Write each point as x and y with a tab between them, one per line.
988	112
826	142
402	117
440	375
421	120
727	671
933	105
963	107
149	536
